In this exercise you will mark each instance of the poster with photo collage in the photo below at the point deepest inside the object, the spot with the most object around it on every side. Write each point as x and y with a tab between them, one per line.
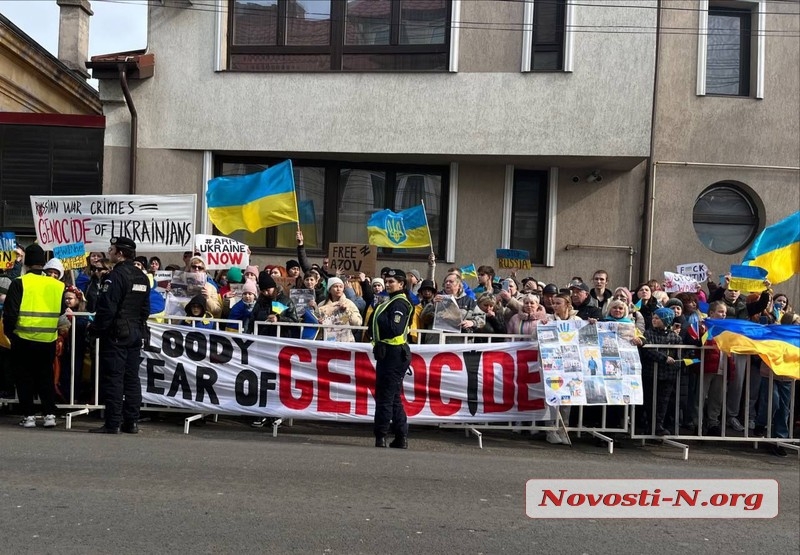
590	364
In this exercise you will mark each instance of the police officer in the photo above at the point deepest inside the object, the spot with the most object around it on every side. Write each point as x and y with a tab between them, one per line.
120	323
390	323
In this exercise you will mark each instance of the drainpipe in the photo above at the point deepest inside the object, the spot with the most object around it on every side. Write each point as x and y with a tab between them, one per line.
646	256
123	83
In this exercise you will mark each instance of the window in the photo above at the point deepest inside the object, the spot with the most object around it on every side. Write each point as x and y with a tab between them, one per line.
731	47
339	35
548	35
725	218
728	53
336	199
529	213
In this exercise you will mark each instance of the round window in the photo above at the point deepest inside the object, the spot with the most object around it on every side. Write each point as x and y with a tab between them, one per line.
725	218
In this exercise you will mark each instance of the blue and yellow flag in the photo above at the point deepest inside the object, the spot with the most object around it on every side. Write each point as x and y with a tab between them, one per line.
405	229
777	345
777	249
469	271
253	201
747	278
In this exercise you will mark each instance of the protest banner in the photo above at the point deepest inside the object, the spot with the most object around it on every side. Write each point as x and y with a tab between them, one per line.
447	315
352	258
162	223
301	299
696	270
679	283
229	373
511	259
590	364
221	253
72	256
8	249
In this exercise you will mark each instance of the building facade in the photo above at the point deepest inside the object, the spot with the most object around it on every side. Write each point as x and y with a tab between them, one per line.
522	125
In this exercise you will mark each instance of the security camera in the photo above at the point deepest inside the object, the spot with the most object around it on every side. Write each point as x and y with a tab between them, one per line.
594	177
575	179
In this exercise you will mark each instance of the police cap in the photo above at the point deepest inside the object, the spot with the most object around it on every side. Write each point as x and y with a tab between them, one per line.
123	243
399	275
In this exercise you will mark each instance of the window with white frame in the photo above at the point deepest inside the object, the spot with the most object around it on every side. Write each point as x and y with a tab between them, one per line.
731	48
547	35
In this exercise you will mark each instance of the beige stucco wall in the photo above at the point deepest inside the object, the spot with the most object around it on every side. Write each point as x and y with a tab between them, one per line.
728	131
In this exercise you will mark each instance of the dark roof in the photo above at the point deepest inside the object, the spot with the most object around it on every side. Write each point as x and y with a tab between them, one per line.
138	65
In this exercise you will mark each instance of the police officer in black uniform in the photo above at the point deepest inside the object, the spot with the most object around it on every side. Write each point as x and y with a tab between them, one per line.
120	323
390	323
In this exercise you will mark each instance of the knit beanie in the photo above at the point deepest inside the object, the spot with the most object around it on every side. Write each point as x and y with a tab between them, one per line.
235	275
378	280
251	270
250	287
674	302
666	315
292	264
334	281
265	281
34	255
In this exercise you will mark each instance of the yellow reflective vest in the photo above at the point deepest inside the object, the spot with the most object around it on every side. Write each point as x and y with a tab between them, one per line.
42	298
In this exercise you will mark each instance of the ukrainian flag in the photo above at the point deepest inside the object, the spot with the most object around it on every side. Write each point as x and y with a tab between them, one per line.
406	229
253	201
777	345
469	271
777	249
747	278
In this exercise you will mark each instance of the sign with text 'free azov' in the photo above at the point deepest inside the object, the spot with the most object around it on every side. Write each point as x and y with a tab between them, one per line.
161	223
352	258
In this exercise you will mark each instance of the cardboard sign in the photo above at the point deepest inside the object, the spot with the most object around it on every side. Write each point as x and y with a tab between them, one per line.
161	223
696	270
8	249
352	258
72	256
510	259
678	283
221	253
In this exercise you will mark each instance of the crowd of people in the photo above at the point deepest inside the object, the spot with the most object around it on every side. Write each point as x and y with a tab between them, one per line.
495	307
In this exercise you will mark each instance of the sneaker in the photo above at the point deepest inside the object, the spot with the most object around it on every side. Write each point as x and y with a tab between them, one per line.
28	422
260	423
760	431
564	437
714	430
553	437
50	421
735	425
751	425
661	431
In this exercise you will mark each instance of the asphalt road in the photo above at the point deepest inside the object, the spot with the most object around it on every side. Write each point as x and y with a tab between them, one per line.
322	488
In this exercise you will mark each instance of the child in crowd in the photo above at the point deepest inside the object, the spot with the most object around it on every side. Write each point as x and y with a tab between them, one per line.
714	363
242	310
196	308
660	333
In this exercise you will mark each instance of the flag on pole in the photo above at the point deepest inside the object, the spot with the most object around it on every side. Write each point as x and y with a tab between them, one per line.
405	229
777	345
253	201
777	250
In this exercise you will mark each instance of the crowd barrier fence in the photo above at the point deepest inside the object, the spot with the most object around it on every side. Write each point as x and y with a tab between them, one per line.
624	427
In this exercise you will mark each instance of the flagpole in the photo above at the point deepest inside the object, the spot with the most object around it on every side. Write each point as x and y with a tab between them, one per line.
425	213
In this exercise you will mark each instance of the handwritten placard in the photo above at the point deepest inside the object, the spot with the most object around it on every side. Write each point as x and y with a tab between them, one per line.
220	253
696	270
162	223
8	249
512	259
678	283
352	258
72	256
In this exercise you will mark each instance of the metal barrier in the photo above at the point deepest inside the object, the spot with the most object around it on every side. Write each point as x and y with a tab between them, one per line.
676	438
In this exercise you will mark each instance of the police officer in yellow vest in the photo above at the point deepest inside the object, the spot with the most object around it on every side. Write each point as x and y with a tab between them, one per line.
120	322
390	323
30	319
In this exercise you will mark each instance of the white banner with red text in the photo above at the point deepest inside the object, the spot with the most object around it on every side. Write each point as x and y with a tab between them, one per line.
229	373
